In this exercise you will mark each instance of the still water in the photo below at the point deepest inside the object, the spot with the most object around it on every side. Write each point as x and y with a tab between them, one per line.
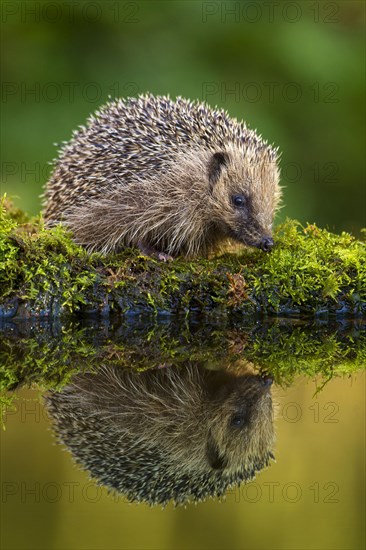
116	429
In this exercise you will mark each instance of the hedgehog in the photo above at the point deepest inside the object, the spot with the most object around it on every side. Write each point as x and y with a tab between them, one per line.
173	178
176	434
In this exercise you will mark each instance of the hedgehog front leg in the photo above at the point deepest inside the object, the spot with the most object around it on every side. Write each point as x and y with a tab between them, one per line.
154	253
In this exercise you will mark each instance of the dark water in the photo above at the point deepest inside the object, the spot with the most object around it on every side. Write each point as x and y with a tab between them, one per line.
116	429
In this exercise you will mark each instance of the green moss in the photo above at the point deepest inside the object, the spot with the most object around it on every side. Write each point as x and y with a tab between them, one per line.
38	266
313	269
49	354
310	272
323	352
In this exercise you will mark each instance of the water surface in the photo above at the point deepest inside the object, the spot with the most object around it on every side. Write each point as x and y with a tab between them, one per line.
311	496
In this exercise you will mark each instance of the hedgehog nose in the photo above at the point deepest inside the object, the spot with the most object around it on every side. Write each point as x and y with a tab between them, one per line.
266	381
266	244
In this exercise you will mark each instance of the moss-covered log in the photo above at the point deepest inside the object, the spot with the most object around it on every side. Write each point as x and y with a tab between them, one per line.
311	272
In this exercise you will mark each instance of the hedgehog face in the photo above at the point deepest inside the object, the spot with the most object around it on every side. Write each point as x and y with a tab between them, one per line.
242	434
246	193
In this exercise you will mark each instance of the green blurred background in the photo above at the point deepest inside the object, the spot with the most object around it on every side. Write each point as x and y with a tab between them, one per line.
293	70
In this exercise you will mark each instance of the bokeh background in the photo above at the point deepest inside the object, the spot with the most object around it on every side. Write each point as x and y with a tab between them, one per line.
292	70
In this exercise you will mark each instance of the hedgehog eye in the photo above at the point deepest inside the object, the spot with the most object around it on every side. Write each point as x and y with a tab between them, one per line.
239	201
239	419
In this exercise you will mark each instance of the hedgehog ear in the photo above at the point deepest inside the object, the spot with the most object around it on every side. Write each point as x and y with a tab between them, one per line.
214	458
215	166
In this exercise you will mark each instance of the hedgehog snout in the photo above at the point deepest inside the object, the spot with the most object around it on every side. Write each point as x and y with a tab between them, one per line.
253	235
266	244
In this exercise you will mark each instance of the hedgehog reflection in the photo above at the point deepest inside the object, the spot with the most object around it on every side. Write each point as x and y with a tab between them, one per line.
170	434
